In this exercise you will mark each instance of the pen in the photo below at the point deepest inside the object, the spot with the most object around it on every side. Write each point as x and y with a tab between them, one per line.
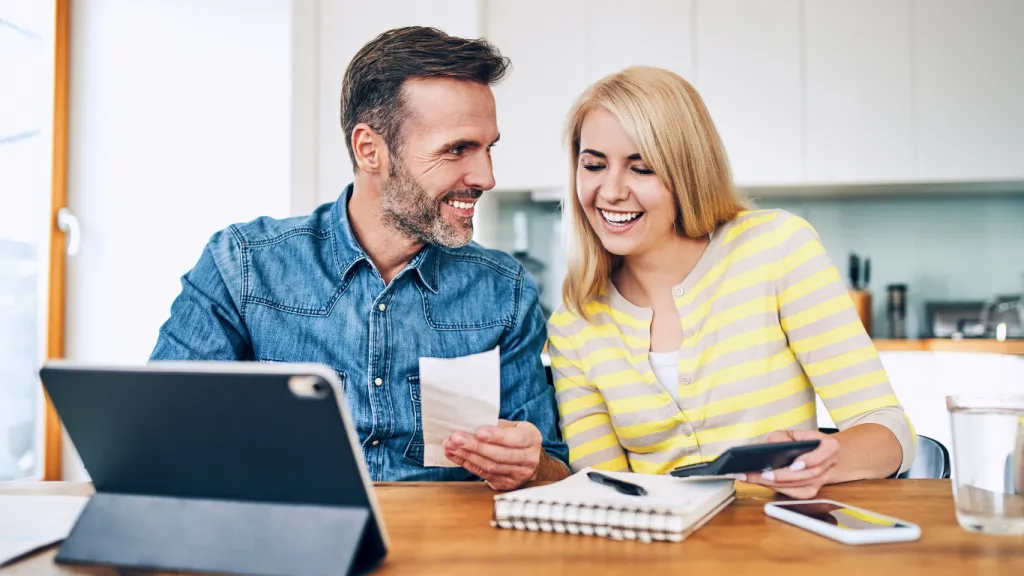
621	486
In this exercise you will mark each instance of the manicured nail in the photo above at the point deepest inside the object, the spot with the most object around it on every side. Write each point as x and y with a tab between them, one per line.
797	466
768	475
739	476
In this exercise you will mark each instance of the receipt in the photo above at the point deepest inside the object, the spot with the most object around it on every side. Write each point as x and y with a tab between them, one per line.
457	394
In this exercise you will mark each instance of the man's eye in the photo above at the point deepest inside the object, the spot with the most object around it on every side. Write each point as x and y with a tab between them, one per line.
593	167
456	150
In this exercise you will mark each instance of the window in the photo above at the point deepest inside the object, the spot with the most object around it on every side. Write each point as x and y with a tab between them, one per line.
26	145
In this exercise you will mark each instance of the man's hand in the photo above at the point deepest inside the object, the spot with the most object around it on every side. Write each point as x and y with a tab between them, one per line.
506	456
808	473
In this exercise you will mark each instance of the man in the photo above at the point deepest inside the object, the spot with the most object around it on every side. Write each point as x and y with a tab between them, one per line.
388	273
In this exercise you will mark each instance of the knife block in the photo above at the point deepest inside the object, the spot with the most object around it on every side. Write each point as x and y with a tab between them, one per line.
862	304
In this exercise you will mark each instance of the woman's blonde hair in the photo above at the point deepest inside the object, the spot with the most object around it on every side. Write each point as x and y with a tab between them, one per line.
669	124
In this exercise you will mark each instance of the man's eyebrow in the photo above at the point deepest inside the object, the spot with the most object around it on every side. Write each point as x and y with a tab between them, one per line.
467	143
593	153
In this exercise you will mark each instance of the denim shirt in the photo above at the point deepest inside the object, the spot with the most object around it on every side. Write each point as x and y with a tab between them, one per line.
302	290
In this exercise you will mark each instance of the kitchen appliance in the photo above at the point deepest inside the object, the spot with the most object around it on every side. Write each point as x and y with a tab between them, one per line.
897	310
1003	317
960	319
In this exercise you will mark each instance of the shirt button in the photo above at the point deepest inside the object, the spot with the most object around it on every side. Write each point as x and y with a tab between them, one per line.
378	381
677	291
382	307
377	442
684	381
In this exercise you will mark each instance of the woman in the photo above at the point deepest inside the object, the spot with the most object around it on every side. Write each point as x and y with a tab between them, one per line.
691	325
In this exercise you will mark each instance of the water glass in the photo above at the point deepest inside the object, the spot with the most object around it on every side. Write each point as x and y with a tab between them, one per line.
988	462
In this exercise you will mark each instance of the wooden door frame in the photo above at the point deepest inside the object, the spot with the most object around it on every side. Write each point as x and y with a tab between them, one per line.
53	431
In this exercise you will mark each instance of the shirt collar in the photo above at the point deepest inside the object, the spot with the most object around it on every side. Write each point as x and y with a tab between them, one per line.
426	263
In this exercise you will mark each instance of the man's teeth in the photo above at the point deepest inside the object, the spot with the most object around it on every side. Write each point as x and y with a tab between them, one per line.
620	216
460	205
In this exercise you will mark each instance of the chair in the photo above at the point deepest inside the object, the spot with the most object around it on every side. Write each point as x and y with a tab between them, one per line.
932	459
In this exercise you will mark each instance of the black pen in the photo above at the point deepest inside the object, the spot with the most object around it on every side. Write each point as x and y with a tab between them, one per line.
620	485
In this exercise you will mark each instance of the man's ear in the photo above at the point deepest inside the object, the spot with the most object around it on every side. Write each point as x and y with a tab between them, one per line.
369	149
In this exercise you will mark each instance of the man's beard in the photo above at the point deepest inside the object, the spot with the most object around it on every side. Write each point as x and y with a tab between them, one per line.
408	208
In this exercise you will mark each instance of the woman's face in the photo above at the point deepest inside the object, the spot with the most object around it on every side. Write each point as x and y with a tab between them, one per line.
626	203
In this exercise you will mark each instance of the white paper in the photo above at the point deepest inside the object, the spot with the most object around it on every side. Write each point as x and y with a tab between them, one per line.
457	394
31	522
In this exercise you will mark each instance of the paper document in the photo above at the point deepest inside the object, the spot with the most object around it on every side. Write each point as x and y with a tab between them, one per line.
457	394
29	522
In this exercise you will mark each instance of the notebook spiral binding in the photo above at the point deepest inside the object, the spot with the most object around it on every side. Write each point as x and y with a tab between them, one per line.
614	523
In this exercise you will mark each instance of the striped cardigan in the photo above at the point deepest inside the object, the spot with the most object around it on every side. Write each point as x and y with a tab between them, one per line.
767	323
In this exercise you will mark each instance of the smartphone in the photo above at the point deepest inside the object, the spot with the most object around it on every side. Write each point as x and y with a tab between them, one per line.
842	522
750	458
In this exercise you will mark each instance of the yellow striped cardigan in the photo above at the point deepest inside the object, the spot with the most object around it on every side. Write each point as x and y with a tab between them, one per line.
767	323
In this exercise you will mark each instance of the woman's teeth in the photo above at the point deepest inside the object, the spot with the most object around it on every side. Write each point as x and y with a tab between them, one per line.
460	205
620	218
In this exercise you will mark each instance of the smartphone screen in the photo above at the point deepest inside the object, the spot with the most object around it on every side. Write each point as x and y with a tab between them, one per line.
841	516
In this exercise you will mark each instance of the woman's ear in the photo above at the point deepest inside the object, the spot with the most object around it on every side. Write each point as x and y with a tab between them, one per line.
369	149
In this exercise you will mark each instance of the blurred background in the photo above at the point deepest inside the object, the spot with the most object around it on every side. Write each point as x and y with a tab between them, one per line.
896	127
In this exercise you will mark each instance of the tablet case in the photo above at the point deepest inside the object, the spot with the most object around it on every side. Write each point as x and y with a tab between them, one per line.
225	471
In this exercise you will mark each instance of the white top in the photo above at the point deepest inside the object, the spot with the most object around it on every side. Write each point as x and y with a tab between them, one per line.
666	369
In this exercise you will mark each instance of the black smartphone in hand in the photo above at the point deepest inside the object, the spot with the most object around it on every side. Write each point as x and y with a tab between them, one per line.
752	458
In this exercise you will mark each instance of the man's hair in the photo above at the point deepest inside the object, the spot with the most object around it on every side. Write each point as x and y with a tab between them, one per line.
371	91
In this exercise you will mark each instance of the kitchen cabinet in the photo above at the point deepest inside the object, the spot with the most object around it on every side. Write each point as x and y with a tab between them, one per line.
859	109
639	32
748	73
548	46
969	86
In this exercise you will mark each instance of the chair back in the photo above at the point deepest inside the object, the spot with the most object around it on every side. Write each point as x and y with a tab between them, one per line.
932	460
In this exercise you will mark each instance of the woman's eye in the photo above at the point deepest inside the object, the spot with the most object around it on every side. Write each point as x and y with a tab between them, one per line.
643	171
593	167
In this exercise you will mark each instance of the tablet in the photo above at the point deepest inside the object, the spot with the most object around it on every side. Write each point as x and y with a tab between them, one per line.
225	440
750	458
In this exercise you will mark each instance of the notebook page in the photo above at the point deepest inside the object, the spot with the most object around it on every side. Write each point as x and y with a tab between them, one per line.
665	494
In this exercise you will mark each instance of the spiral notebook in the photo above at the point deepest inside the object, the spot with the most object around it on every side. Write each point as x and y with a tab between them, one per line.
672	509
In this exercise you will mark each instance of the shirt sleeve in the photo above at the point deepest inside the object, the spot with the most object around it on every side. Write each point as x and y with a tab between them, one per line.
586	424
828	339
525	392
205	323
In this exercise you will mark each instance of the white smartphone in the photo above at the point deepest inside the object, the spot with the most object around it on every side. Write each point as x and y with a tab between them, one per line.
844	523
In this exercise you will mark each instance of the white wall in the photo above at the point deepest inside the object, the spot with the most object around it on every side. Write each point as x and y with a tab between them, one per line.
180	124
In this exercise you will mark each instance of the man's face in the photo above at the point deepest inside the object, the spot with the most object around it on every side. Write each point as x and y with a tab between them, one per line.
444	162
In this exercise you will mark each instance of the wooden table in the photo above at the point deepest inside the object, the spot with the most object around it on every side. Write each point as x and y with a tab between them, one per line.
444	529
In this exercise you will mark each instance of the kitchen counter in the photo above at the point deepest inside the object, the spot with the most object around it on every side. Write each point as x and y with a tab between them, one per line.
977	346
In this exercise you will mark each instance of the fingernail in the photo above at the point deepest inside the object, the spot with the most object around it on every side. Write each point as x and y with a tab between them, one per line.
461	440
484	434
740	476
797	466
768	475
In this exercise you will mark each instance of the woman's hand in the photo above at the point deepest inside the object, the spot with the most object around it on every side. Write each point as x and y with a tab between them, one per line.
808	473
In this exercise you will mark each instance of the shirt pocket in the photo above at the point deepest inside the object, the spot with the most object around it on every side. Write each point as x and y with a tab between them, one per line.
342	376
414	451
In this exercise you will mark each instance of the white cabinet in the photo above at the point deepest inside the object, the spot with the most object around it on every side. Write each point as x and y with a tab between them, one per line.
969	89
547	44
639	32
748	72
859	110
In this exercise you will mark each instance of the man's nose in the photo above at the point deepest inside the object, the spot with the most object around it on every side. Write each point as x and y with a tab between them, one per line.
481	172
